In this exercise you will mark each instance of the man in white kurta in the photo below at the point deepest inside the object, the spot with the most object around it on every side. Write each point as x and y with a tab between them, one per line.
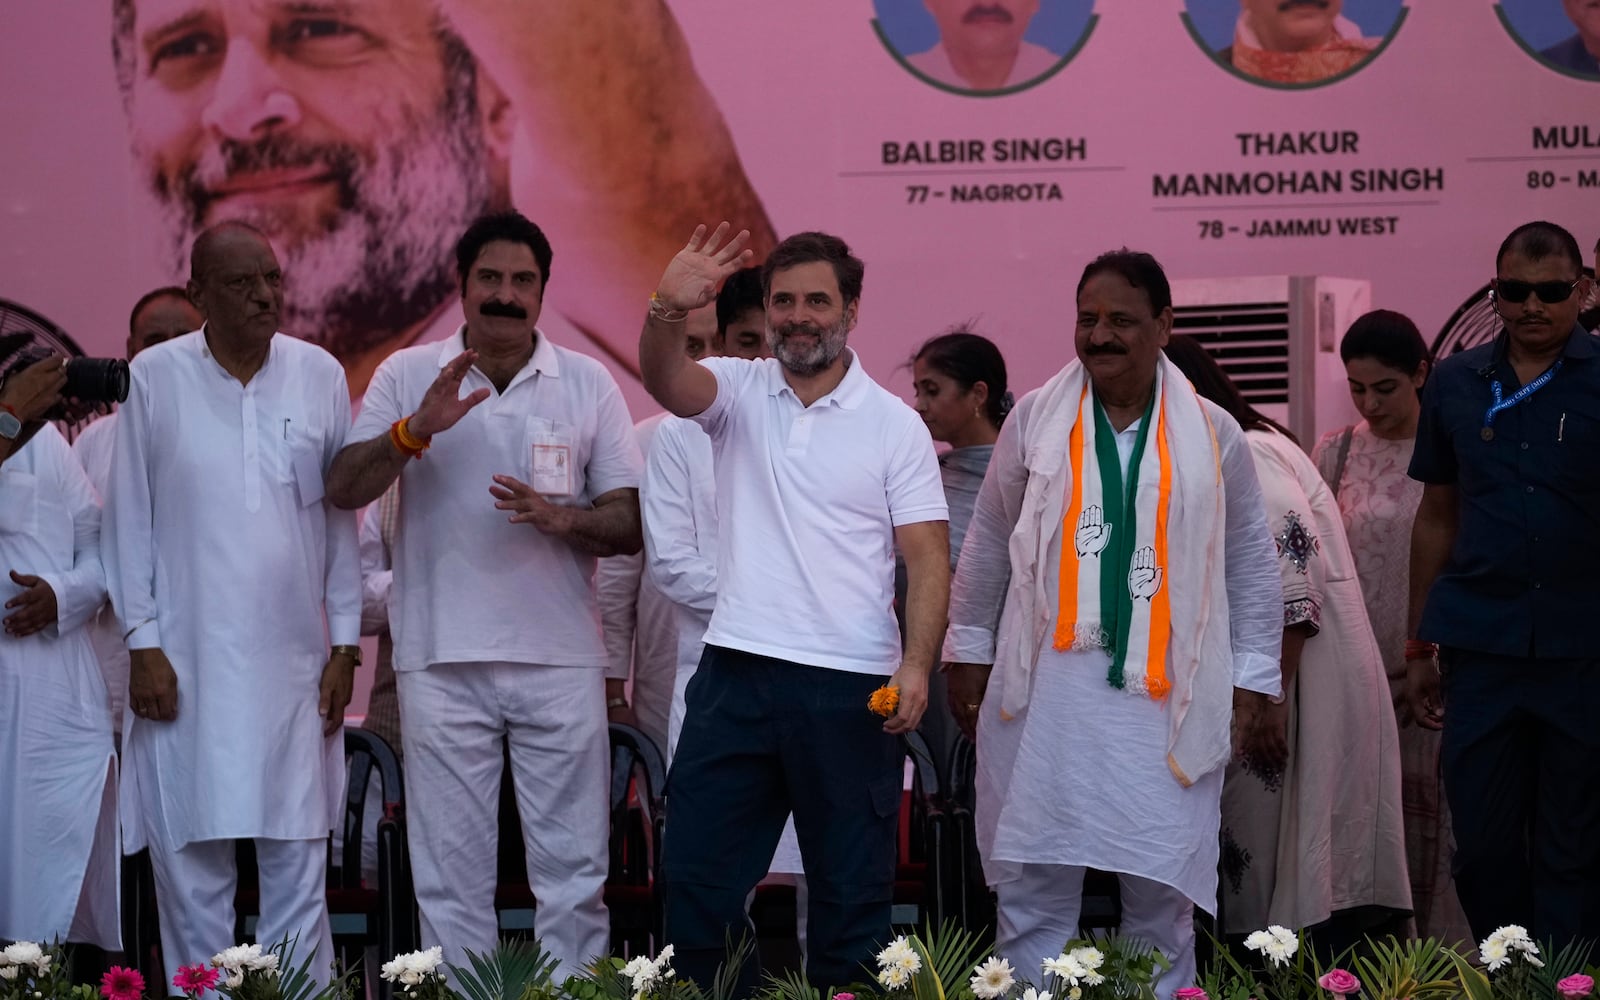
158	315
58	842
640	629
507	496
1072	772
233	579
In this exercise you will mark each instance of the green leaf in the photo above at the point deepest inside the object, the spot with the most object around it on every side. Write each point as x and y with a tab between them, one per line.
511	970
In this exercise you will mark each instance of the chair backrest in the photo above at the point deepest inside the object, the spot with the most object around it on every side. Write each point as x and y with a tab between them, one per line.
366	754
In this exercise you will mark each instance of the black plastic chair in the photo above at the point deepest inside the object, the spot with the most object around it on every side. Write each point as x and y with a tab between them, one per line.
924	876
382	916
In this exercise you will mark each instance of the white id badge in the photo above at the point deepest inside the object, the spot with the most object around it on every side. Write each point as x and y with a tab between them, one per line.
552	464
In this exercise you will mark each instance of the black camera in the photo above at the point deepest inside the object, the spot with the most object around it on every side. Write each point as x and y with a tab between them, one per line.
98	381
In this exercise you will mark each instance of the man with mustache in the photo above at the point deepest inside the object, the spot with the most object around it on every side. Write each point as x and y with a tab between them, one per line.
1581	52
1295	41
1503	587
1117	600
507	496
239	593
981	46
819	473
362	136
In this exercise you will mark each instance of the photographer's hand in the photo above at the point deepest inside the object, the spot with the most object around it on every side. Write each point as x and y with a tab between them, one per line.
36	389
29	395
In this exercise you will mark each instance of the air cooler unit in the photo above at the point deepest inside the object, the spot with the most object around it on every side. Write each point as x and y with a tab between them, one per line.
1278	338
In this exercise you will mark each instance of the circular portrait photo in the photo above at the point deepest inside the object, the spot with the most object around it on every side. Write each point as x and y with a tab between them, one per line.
983	48
1293	44
1562	34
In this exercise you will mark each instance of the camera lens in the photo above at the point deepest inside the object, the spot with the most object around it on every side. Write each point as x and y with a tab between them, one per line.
97	380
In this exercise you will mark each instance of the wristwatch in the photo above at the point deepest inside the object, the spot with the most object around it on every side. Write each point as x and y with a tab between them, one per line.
10	423
354	652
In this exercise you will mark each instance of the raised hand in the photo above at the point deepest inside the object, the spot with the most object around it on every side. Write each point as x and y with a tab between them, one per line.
692	278
31	610
443	405
1093	532
1144	576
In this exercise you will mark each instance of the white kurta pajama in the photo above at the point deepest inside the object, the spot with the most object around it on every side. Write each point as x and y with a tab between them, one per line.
497	633
1082	775
222	552
58	839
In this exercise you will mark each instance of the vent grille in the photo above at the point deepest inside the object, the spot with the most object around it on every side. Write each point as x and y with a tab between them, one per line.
1250	340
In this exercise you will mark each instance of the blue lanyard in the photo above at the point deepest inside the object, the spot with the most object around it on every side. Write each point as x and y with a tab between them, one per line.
1520	395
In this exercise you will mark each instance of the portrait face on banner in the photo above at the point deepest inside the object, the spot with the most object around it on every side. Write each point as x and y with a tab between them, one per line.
983	48
1564	35
1293	43
354	136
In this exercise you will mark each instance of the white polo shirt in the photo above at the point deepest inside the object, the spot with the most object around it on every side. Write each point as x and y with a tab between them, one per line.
469	586
807	502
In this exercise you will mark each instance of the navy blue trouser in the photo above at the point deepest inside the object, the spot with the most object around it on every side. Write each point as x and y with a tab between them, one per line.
1521	759
762	737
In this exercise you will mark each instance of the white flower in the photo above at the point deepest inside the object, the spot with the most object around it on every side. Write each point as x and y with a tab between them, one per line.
992	979
24	953
1032	994
910	963
896	953
43	964
9	971
894	977
235	979
239	957
1277	943
1494	953
1076	993
1066	967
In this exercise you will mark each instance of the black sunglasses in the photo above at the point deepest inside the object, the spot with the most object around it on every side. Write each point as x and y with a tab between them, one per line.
1549	292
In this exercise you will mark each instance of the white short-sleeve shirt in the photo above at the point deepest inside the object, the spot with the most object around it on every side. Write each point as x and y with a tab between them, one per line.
807	502
469	586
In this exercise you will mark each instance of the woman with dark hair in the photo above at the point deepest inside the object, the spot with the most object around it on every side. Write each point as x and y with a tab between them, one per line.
1386	362
1312	830
960	383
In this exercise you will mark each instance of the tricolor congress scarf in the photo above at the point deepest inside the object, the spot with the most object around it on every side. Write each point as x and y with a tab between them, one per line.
1114	548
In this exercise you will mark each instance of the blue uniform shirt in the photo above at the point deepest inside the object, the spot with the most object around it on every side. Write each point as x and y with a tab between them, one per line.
1523	577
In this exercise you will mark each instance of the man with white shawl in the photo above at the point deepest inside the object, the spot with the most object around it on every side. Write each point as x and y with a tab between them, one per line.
1123	625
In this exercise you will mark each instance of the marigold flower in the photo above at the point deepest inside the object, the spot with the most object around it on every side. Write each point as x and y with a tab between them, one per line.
884	701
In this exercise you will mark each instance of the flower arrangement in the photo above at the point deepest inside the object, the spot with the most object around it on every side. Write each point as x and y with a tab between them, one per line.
943	964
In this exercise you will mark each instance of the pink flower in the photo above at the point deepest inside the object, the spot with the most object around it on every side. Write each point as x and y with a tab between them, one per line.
844	996
1575	987
196	979
1339	982
1190	993
122	984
